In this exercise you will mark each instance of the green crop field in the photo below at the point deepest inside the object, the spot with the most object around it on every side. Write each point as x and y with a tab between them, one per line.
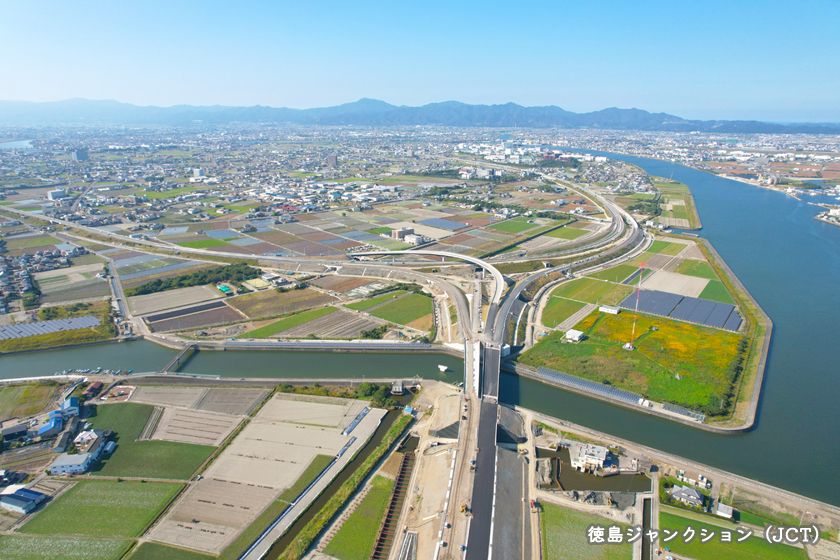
701	269
168	194
405	310
379	230
31	241
316	467
715	290
558	310
355	539
512	226
666	248
24	400
103	509
593	291
203	243
368	303
564	536
700	355
616	273
754	548
288	323
567	233
61	548
150	459
153	551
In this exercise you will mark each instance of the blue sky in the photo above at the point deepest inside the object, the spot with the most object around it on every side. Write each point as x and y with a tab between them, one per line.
735	59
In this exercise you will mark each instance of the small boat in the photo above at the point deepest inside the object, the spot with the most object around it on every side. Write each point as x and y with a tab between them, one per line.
119	371
129	371
442	368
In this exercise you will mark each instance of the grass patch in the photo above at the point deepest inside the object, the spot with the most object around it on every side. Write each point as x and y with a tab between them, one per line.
368	303
665	247
104	509
558	310
65	548
355	539
288	323
564	536
512	226
153	551
593	291
203	243
316	467
754	548
616	273
270	303
702	356
567	233
379	230
700	269
716	291
31	241
151	459
405	310
25	400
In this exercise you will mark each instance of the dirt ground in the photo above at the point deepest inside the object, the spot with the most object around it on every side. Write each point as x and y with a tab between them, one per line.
149	303
674	283
193	426
168	396
308	409
338	324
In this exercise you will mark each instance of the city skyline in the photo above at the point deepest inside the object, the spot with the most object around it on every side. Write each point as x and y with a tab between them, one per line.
767	62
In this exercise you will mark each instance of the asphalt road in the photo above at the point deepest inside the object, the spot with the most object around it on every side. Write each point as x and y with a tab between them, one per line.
478	545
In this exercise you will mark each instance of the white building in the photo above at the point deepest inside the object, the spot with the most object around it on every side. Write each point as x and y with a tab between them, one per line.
609	309
588	456
71	464
574	336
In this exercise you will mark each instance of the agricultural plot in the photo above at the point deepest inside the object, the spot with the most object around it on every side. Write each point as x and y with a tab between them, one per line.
405	310
186	397
20	244
567	233
103	509
149	303
558	310
194	426
269	303
373	302
339	325
320	411
754	548
140	278
153	551
149	459
593	291
665	247
564	536
616	273
664	348
700	269
340	284
240	402
674	283
355	539
72	291
222	314
288	323
66	548
516	225
715	290
203	243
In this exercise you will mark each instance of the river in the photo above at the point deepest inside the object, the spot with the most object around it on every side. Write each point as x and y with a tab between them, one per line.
789	262
17	145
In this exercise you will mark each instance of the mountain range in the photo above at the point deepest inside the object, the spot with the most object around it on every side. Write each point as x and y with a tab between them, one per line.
371	112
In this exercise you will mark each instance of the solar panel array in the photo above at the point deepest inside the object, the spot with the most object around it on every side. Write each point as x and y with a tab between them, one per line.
690	309
46	327
699	416
606	390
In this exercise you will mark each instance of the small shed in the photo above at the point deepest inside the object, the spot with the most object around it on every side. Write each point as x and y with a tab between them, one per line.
574	336
724	510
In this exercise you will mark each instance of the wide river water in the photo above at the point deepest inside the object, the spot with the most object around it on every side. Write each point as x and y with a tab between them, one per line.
789	262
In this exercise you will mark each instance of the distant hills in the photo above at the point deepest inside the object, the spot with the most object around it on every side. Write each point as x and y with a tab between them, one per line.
370	112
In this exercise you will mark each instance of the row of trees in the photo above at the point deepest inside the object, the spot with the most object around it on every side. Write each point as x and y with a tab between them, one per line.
234	273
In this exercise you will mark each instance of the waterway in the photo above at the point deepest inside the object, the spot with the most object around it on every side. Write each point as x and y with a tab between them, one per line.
17	145
789	262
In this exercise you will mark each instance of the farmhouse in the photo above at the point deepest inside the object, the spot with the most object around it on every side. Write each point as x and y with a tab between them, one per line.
71	464
687	495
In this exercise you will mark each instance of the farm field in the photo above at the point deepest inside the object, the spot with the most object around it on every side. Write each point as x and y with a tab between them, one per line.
153	551
29	242
69	291
151	459
269	303
367	304
149	303
103	509
64	548
515	225
405	310
355	539
567	233
25	400
754	548
700	355
665	247
203	243
341	325
564	536
701	269
558	310
593	291
288	323
615	274
208	318
715	290
316	467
